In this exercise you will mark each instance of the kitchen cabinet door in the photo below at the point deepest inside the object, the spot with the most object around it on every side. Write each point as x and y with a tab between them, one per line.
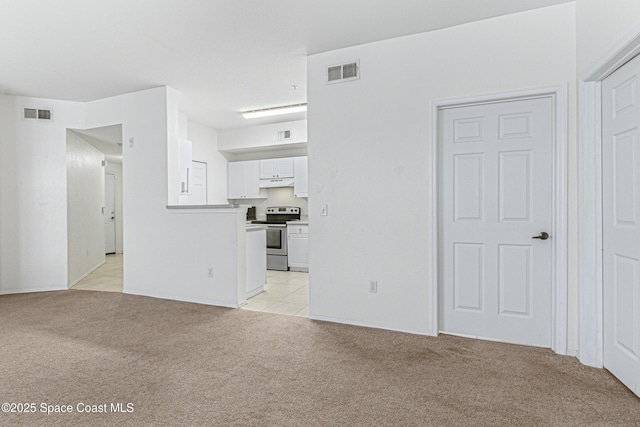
244	180
298	247
235	180
276	168
252	180
300	177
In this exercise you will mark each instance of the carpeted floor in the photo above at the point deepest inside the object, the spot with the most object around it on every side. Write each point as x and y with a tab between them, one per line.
186	364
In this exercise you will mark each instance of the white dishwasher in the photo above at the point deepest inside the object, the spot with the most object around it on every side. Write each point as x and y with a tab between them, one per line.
298	246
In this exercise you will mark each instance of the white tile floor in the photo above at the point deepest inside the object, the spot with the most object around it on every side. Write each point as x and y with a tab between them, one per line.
106	278
286	292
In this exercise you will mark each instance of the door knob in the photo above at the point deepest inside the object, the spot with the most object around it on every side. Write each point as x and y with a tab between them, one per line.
542	236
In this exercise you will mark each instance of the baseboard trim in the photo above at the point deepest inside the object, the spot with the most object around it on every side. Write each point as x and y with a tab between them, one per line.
572	352
31	290
182	299
255	292
368	324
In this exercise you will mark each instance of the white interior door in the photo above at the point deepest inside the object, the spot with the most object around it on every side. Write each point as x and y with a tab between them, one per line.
198	183
496	192
110	213
621	223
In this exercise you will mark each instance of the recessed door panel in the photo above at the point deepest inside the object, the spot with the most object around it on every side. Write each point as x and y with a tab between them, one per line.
625	298
515	125
515	186
625	157
515	280
468	276
468	186
468	129
624	96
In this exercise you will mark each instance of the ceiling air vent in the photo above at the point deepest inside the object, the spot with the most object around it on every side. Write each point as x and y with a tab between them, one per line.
37	114
284	135
343	72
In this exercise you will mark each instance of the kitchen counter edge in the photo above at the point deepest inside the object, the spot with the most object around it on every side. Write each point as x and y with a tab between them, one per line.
203	206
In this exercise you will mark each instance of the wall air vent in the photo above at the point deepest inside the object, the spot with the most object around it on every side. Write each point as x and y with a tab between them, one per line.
284	135
343	72
37	114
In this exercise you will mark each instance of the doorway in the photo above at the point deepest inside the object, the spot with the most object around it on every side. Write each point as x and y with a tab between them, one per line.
500	204
103	236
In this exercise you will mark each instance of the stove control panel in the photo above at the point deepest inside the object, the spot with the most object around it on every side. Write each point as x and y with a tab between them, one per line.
287	210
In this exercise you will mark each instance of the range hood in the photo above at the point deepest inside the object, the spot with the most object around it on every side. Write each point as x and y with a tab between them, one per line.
276	182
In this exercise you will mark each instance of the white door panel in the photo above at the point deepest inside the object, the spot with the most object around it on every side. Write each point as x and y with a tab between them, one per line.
495	195
198	183
109	214
621	223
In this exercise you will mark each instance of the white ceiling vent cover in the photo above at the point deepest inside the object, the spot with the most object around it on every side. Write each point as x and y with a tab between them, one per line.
284	135
39	114
340	73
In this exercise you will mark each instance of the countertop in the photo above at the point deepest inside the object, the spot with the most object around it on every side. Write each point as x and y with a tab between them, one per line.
203	206
301	222
256	227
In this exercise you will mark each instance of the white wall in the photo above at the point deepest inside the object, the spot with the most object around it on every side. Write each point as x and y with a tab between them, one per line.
116	169
369	146
33	196
85	199
600	24
167	255
205	149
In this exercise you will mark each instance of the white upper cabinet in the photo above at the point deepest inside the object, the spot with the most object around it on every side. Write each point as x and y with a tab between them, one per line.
301	181
243	180
276	168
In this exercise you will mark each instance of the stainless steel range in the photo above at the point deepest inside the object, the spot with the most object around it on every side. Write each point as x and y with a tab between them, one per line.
277	217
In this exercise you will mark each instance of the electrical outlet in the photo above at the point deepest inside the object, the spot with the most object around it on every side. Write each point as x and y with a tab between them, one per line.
210	272
373	286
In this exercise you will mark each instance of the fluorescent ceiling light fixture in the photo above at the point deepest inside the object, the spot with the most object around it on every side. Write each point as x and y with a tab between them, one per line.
275	111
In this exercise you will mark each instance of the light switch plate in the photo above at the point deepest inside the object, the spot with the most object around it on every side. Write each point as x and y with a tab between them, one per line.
323	210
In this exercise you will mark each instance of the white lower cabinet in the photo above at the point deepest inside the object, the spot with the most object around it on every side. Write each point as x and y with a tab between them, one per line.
298	247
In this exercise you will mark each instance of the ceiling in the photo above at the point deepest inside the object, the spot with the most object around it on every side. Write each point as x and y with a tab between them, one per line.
223	56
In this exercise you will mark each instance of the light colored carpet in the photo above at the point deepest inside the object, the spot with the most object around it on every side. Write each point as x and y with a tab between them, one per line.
188	364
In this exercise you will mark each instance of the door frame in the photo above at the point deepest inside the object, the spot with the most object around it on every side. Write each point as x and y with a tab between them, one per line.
590	234
559	96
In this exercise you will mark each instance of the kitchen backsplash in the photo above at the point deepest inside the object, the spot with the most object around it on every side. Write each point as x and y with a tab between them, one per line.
277	197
